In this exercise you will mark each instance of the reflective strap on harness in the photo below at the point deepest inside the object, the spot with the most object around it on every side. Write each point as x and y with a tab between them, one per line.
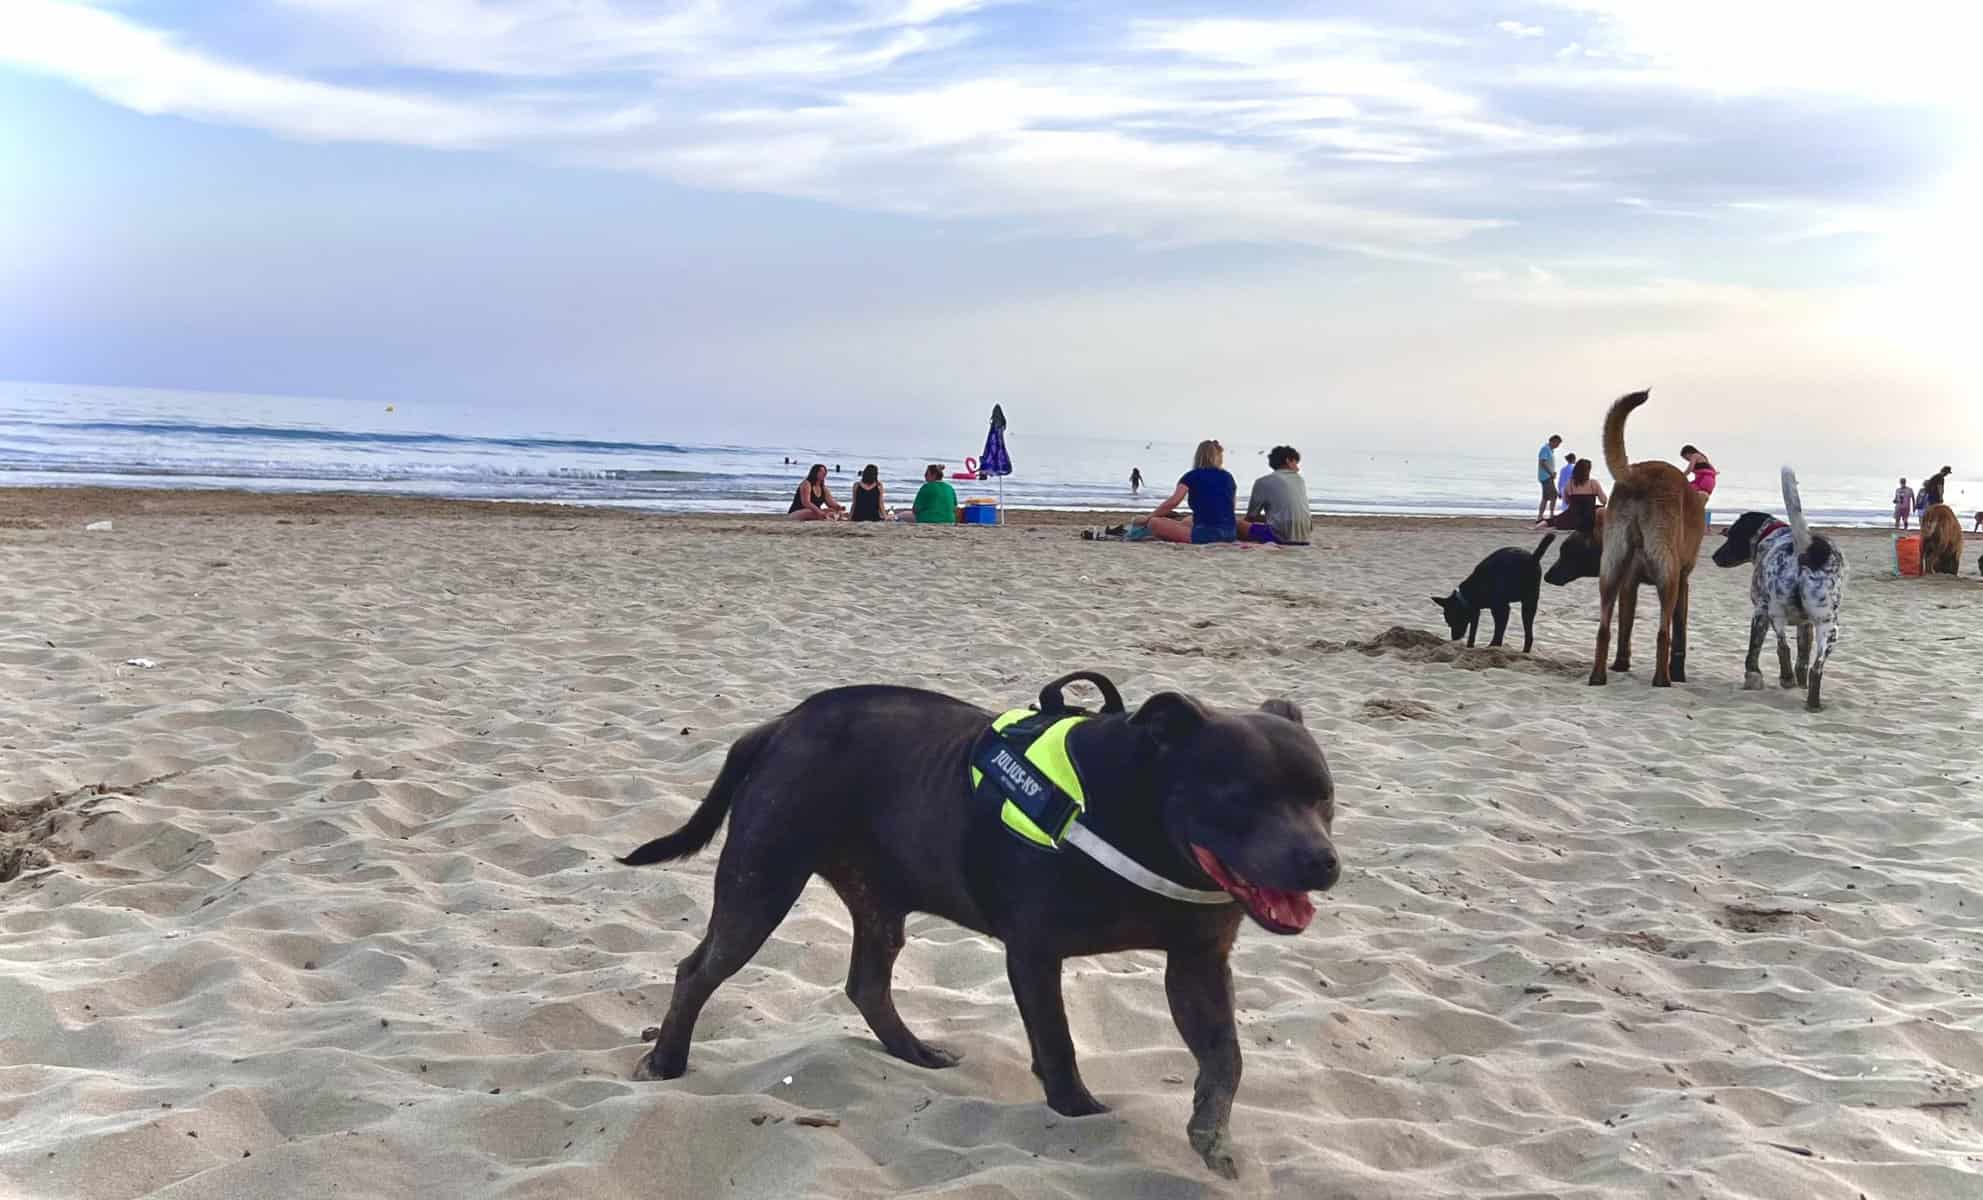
1083	839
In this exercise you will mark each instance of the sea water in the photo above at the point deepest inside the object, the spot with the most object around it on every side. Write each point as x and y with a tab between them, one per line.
53	434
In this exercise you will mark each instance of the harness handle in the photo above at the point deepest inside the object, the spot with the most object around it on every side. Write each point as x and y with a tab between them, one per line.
1052	701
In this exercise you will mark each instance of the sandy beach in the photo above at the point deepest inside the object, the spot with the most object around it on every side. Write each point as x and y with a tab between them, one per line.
307	809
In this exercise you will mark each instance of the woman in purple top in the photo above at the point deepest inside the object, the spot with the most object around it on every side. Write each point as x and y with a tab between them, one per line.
1211	491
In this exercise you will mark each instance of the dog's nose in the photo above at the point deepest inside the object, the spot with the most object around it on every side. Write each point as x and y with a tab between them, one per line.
1325	869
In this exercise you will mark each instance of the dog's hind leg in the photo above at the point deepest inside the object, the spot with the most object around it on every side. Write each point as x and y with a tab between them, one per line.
1803	654
1607	599
1199	986
878	939
1035	982
1676	669
1824	638
1752	667
1528	623
1628	615
1786	676
1669	599
751	899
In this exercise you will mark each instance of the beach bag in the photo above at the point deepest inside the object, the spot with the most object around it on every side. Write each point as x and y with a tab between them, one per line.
1907	554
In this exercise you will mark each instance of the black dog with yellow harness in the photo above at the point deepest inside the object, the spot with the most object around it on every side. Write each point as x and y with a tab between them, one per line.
1059	831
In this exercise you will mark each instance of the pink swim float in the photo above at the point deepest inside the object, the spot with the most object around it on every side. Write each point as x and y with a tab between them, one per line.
970	470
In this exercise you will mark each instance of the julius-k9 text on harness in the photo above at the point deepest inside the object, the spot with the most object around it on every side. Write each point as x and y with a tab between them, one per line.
1023	765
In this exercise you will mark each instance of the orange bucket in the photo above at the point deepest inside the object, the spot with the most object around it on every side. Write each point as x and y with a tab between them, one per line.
1907	555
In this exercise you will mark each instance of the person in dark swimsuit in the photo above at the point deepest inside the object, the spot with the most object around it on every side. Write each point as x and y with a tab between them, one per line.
813	502
1580	502
867	495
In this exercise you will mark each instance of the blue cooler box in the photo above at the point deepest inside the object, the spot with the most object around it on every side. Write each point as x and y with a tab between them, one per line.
981	514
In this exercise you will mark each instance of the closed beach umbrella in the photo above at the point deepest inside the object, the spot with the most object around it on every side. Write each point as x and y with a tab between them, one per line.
995	461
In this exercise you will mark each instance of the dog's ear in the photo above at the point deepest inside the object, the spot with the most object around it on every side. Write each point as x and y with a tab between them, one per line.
1169	717
1439	602
1285	709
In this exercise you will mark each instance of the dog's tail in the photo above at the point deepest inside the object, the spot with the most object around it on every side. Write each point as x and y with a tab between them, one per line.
1614	432
1793	507
1812	551
702	826
1543	545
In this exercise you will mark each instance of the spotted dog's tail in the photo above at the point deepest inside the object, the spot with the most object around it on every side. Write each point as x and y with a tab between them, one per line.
1812	551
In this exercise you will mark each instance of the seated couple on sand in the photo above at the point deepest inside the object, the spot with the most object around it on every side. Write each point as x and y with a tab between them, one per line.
1581	500
1276	512
935	504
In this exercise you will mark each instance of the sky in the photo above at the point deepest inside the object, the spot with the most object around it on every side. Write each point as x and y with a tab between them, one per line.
1397	223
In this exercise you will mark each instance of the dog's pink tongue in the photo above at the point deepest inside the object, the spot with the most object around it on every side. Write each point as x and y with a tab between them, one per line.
1293	909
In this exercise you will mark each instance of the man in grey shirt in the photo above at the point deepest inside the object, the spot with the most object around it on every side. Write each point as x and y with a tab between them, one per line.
1280	498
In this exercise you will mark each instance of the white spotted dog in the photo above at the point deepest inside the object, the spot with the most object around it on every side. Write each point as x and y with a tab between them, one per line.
1799	580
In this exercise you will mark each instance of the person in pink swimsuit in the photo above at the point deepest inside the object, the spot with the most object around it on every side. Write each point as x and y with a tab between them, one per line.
1700	472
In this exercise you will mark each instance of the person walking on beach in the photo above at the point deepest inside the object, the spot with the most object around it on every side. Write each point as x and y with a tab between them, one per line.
1135	480
1277	510
1545	474
813	502
1563	476
1211	489
1903	504
936	502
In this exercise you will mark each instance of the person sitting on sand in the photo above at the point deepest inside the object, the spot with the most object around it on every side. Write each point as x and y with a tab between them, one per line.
1580	502
1211	489
1277	510
868	496
936	502
1903	504
812	501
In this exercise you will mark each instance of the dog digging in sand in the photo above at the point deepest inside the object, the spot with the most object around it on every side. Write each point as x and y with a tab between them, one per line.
1799	580
1060	833
1651	533
1507	576
1941	541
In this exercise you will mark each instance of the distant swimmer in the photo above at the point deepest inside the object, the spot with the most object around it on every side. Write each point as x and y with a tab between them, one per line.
1135	480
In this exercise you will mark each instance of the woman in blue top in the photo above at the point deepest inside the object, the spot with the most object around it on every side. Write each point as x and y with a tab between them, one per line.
1211	489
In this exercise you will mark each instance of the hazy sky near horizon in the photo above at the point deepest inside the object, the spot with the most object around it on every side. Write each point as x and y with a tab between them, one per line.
1394	221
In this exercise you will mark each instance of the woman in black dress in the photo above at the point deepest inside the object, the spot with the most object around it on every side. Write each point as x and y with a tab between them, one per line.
868	495
812	501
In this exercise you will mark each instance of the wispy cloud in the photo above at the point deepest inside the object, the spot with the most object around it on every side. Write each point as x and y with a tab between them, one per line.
1359	133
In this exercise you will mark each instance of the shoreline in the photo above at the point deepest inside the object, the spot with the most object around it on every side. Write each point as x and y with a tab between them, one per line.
52	507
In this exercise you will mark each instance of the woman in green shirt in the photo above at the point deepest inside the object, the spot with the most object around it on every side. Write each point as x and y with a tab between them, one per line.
936	502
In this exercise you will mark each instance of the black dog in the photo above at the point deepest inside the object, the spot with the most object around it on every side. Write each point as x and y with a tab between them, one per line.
1581	556
1502	578
867	788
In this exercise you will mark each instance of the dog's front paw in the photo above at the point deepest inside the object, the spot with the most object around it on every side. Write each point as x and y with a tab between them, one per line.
1216	1149
649	1069
1752	682
1803	676
1814	706
1597	677
935	1058
1078	1103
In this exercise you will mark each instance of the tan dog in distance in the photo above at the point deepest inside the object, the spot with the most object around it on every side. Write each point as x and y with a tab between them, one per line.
1652	534
1941	541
